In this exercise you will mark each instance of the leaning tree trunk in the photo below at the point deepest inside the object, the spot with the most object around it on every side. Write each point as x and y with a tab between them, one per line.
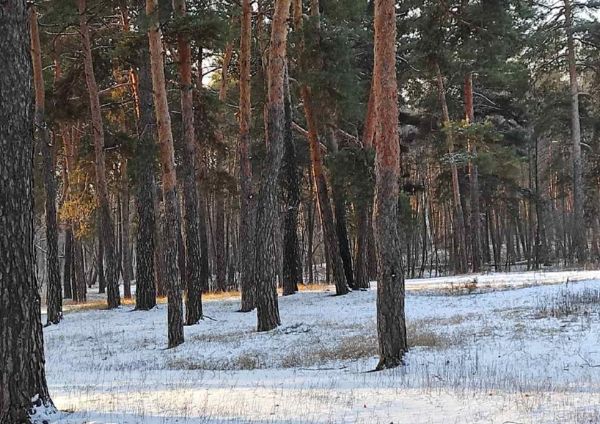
391	325
267	211
54	293
292	264
23	387
329	233
190	190
578	225
247	199
169	179
106	227
327	220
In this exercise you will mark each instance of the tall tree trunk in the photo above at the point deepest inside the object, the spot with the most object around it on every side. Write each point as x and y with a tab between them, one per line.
329	233
476	255
144	159
220	246
68	266
106	228
339	208
125	229
100	262
190	190
169	179
460	239
54	293
578	232
201	171
391	325
267	211
23	387
247	199
327	220
292	264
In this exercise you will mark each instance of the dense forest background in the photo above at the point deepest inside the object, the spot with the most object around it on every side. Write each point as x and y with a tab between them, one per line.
488	149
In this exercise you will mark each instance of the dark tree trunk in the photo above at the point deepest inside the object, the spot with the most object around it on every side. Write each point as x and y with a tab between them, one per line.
339	204
190	190
100	262
106	227
578	233
125	234
391	325
292	264
476	255
329	232
145	157
22	374
169	178
267	211
247	198
68	266
79	286
54	294
361	262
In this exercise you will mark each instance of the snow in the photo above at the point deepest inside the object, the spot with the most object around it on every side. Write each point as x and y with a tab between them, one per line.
485	353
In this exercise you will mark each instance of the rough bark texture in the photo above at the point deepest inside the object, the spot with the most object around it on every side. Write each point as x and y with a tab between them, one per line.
22	375
339	207
476	251
391	325
125	229
292	264
220	245
579	236
267	212
459	219
68	266
106	228
247	199
54	293
329	233
190	190
169	179
145	157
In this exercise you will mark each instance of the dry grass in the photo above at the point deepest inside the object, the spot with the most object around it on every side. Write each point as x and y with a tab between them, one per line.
567	303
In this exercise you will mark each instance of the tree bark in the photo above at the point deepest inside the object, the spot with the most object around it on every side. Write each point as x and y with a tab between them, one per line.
54	293
23	385
145	199
329	233
247	198
578	227
190	190
106	228
125	230
391	325
169	179
267	212
476	254
292	263
461	253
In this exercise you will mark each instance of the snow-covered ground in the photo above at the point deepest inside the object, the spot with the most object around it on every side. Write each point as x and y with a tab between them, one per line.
529	353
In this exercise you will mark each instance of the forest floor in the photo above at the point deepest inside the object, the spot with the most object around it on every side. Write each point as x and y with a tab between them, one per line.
497	348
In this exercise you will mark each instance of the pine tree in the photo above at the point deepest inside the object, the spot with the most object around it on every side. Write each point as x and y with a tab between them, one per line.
169	178
23	387
391	325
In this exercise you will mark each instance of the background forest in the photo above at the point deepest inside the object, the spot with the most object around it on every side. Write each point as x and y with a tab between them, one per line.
494	174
